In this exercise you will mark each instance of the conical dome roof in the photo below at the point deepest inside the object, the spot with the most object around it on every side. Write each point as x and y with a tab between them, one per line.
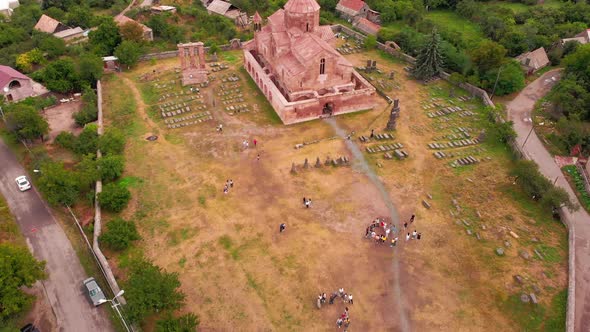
302	6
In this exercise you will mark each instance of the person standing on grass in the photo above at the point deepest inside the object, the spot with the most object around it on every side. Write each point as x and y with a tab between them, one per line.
231	183
372	133
282	227
419	236
367	232
393	242
405	225
304	201
350	299
414	234
408	237
412	218
225	189
387	231
254	142
339	322
258	157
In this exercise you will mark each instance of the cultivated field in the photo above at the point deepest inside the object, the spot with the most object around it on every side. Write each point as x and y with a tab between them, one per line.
239	273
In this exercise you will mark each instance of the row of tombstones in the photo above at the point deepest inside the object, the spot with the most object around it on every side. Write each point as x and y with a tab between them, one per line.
189	117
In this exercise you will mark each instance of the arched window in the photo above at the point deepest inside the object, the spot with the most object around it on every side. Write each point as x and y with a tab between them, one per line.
14	85
322	66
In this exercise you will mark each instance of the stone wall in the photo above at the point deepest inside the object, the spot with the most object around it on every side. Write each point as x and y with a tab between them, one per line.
235	44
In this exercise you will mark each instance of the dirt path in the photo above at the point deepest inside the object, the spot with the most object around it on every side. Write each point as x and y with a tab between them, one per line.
141	109
519	111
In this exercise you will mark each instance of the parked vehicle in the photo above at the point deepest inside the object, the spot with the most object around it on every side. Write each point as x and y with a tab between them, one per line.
94	292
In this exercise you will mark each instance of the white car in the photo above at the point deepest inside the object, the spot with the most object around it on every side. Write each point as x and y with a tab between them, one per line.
23	183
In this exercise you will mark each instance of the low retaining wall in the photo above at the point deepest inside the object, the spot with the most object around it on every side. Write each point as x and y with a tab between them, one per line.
235	44
97	215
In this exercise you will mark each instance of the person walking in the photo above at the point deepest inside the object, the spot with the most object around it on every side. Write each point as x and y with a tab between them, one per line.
408	237
258	157
339	322
405	225
372	133
414	234
341	292
412	218
225	189
350	299
387	231
231	183
254	142
282	228
304	200
419	236
393	242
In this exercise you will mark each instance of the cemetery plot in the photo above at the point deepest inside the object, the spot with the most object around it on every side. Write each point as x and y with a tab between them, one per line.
349	44
179	106
231	94
454	117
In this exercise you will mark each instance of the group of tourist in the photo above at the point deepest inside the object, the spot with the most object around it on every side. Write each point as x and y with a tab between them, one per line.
344	319
228	184
246	144
307	202
381	232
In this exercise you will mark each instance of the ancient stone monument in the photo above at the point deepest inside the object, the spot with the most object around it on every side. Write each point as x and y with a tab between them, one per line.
393	116
192	62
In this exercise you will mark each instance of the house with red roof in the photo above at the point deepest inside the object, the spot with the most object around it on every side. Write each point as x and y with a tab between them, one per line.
15	85
294	63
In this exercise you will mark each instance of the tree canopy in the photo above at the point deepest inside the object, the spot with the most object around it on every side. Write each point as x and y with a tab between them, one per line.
26	122
429	61
18	268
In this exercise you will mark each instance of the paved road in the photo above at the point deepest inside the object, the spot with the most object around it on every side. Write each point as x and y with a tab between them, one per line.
48	242
519	111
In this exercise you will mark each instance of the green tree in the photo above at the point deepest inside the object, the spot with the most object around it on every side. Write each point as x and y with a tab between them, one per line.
578	64
87	172
52	46
57	184
488	55
59	76
26	122
105	38
111	167
81	16
112	142
114	197
511	79
119	234
150	289
131	31
370	42
87	141
128	52
90	68
18	268
429	61
184	323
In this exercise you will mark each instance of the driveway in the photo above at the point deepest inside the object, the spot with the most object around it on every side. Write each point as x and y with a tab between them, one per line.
48	242
519	111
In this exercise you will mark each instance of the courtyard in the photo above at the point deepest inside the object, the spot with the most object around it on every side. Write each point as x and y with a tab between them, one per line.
239	272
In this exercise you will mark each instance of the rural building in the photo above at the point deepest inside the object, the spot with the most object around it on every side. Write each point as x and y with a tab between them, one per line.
148	34
57	29
49	25
366	26
223	8
110	63
15	85
352	10
163	9
293	62
582	38
534	60
8	6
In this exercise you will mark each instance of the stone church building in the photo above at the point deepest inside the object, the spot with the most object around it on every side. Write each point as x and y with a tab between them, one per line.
293	62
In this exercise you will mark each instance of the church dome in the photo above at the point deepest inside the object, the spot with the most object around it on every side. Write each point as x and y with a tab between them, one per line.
302	6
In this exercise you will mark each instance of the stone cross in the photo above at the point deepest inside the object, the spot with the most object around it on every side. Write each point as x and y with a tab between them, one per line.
393	116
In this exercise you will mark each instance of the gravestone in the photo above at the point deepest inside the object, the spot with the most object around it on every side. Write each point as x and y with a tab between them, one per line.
392	75
306	164
328	161
393	116
518	279
318	164
293	168
499	251
524	298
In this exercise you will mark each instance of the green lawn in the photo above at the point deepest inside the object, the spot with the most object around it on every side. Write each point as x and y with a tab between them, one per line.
452	22
521	7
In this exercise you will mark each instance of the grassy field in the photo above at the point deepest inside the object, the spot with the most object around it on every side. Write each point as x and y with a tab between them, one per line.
453	22
237	271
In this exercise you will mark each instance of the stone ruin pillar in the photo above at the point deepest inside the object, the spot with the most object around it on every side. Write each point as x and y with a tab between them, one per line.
393	116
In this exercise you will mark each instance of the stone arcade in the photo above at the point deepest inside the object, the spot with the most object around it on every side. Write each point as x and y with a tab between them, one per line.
299	71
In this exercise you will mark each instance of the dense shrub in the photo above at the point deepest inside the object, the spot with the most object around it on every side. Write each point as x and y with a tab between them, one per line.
150	289
539	187
184	323
112	142
119	234
114	197
111	167
57	184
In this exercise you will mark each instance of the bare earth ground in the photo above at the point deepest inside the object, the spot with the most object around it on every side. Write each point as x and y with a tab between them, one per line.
60	118
239	273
